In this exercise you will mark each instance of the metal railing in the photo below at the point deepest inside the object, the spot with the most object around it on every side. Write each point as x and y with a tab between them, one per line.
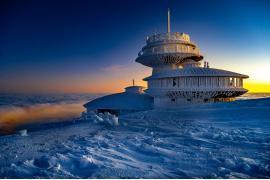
168	36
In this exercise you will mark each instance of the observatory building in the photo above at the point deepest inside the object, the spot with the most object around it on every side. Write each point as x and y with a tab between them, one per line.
178	78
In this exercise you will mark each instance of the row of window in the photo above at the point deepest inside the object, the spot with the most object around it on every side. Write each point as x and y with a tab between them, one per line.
196	82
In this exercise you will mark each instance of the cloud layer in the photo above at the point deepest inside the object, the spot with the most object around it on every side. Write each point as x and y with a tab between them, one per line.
10	117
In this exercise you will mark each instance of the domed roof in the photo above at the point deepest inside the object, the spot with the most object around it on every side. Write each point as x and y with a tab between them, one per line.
122	101
196	71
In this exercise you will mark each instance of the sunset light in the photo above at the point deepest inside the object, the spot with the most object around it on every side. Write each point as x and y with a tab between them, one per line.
134	89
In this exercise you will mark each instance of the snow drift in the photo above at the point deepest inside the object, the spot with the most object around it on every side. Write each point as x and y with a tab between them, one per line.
223	140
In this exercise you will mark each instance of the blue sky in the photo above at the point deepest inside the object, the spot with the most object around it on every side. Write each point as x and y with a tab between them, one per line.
90	46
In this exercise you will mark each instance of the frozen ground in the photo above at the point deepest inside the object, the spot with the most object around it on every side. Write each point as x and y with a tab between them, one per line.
225	140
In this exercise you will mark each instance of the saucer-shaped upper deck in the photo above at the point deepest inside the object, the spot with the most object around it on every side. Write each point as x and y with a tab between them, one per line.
168	48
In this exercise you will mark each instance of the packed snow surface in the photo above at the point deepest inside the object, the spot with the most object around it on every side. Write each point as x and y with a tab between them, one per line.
222	140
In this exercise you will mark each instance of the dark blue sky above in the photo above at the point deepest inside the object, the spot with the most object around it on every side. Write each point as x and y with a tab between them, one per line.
63	39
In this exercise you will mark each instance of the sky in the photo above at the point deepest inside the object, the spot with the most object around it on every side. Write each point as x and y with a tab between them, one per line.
90	46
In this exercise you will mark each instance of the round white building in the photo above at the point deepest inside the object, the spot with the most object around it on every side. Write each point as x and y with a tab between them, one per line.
178	76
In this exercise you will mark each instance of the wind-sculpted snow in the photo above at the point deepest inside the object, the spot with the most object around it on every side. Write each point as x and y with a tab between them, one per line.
224	140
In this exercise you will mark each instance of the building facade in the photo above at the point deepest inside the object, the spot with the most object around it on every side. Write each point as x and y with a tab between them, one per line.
178	76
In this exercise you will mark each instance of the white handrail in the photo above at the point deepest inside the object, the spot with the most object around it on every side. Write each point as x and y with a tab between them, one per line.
168	36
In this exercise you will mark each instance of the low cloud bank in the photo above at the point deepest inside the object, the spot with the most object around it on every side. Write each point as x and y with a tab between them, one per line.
11	117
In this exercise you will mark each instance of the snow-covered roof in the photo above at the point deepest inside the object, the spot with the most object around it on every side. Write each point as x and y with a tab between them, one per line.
196	71
134	89
122	101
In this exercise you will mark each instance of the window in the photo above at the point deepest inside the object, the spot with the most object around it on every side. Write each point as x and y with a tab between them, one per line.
174	82
231	82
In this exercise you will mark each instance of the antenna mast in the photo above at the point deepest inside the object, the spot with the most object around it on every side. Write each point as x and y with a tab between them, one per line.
169	22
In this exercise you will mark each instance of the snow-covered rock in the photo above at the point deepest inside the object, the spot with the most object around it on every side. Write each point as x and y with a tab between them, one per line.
106	118
23	132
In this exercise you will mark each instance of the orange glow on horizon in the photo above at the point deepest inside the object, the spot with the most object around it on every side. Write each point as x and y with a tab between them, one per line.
110	85
257	87
115	78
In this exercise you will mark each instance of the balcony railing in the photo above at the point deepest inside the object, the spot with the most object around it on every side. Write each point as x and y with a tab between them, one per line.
168	36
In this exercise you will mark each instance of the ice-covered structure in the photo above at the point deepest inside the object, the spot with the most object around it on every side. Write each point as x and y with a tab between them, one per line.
132	100
178	77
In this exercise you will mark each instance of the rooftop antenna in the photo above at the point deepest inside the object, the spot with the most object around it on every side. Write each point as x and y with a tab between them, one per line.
169	22
133	82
